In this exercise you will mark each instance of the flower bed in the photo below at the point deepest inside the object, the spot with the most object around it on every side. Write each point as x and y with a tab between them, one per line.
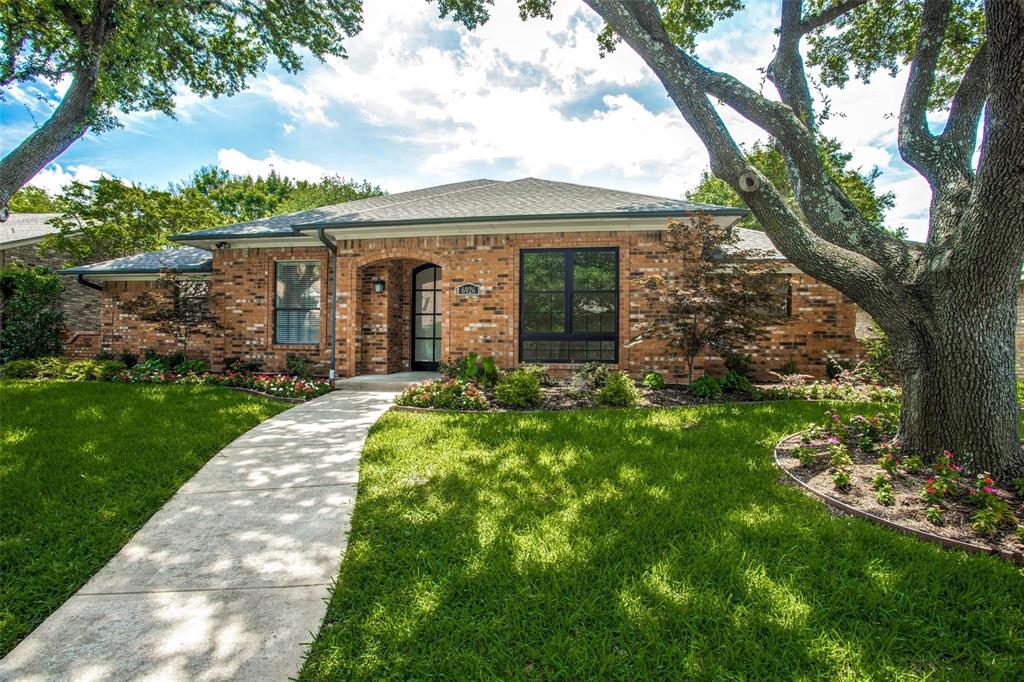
857	467
273	385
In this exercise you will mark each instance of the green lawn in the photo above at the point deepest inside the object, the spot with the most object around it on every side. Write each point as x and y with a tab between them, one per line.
640	545
83	466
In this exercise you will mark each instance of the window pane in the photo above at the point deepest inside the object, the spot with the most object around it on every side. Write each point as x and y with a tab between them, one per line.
543	271
593	313
298	326
298	284
425	302
593	271
427	278
428	326
423	350
543	313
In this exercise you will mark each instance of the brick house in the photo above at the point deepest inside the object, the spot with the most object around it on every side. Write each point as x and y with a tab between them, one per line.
20	235
405	281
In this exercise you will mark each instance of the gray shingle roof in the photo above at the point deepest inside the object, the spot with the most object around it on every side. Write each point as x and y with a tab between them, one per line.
475	200
181	258
754	240
25	228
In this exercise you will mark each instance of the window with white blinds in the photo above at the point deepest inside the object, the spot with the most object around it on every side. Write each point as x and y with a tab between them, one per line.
297	302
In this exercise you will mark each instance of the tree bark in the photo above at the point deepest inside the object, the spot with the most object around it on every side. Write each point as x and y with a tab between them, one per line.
957	392
69	121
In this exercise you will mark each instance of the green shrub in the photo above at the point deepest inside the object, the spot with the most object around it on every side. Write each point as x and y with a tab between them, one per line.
653	381
193	367
19	369
450	394
705	387
619	390
1020	392
591	376
172	360
33	323
806	454
300	365
880	366
732	382
472	369
78	370
107	370
789	368
518	389
104	355
50	368
738	363
541	372
128	358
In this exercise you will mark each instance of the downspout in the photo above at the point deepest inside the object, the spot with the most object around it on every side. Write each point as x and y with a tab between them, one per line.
86	283
332	276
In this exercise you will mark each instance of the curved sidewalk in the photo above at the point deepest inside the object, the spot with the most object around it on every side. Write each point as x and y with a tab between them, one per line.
229	579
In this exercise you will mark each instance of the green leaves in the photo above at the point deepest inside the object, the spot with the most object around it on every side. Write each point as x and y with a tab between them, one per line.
110	219
147	50
883	35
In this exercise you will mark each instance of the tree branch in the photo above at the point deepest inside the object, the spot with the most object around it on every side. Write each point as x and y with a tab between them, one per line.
828	15
965	111
687	83
916	143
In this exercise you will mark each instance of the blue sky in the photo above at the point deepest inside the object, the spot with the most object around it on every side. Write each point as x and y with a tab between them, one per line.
421	101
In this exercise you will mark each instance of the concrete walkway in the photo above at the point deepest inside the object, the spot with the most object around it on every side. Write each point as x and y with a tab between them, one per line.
228	580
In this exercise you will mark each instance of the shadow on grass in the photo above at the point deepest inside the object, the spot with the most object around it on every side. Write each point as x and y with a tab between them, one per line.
83	466
640	544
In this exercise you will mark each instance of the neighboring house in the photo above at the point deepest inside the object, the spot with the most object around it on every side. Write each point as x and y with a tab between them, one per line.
19	243
431	275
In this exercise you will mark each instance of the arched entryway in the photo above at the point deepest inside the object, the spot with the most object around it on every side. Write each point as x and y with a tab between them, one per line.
426	317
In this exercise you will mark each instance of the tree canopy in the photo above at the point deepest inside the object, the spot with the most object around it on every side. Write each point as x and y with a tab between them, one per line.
111	218
137	55
243	197
31	199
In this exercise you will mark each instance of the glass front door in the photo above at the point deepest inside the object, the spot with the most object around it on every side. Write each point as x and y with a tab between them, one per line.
426	317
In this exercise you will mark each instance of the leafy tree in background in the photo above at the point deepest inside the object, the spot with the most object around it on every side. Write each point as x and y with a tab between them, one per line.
708	305
948	305
31	319
134	55
31	199
242	197
110	219
859	187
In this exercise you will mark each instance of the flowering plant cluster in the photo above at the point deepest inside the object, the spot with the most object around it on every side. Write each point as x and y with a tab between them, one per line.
451	394
828	391
277	385
946	473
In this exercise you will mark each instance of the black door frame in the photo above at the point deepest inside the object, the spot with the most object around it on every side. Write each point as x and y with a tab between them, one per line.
425	366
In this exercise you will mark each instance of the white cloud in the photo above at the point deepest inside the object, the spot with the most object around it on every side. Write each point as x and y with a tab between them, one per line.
236	162
54	177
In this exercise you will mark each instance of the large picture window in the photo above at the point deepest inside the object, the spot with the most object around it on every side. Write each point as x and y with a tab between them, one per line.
569	305
297	302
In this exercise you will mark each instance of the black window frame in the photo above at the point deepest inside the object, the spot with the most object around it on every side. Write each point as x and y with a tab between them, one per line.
569	335
318	308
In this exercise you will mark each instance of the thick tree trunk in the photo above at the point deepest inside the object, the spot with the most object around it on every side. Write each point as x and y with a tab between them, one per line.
68	123
959	394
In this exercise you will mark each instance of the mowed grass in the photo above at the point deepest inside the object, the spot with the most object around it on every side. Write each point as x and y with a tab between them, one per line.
640	544
83	466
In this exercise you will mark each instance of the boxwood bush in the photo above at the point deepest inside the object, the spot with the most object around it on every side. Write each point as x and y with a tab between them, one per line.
619	390
518	389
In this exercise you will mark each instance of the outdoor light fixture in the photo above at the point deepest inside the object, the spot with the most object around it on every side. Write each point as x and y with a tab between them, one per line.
378	286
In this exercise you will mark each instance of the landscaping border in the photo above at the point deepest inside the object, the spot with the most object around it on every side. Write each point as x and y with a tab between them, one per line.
414	409
839	505
253	391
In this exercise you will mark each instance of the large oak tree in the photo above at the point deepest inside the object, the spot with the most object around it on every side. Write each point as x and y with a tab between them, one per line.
948	305
133	55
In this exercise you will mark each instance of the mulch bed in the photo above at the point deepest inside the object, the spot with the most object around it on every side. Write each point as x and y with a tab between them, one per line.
907	513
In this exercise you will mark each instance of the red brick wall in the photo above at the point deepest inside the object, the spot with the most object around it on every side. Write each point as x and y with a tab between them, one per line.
373	330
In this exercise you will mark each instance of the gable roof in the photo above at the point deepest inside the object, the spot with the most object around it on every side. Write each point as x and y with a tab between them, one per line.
25	228
180	258
471	201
